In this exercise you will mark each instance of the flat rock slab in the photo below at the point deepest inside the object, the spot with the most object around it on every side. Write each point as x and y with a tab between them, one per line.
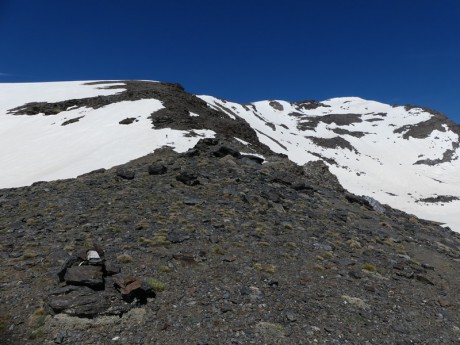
132	288
77	301
85	275
82	301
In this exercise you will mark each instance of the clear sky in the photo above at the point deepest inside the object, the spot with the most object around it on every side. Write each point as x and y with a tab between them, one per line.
394	51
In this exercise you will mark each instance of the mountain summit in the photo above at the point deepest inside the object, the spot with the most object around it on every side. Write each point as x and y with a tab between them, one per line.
404	156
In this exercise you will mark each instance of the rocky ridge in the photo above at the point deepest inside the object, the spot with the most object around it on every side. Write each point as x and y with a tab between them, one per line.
238	250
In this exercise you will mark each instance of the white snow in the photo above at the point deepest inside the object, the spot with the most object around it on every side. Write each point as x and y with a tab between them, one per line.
16	94
37	148
384	160
242	141
253	154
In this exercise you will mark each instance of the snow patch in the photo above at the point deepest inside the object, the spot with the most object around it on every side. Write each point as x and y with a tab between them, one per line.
242	141
38	148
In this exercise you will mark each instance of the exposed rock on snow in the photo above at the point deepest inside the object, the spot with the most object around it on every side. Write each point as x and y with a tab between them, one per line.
395	154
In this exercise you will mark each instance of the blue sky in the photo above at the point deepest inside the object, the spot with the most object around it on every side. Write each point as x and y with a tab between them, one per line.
398	52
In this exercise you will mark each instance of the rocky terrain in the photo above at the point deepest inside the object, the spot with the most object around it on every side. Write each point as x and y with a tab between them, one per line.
222	247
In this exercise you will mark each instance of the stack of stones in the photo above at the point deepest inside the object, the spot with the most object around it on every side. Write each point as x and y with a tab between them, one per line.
90	286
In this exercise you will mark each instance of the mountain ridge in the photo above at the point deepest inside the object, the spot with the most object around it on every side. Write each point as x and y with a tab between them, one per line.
214	237
405	156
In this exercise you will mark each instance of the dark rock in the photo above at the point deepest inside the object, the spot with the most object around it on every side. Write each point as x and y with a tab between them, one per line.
355	134
273	283
423	129
341	215
304	187
290	316
311	122
399	266
322	246
194	201
71	261
444	302
370	288
186	258
224	151
271	125
423	279
112	268
406	273
188	179
376	206
228	258
209	141
177	237
85	275
126	284
125	173
355	199
428	266
157	169
133	288
256	159
192	153
203	341
127	121
245	291
68	122
94	172
59	338
444	313
276	105
309	104
333	143
78	301
317	172
355	274
439	199
401	329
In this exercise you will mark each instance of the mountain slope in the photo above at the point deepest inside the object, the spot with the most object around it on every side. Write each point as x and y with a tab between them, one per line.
238	252
81	130
406	157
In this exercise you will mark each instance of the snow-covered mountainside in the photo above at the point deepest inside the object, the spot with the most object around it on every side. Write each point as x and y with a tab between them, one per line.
77	138
404	156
